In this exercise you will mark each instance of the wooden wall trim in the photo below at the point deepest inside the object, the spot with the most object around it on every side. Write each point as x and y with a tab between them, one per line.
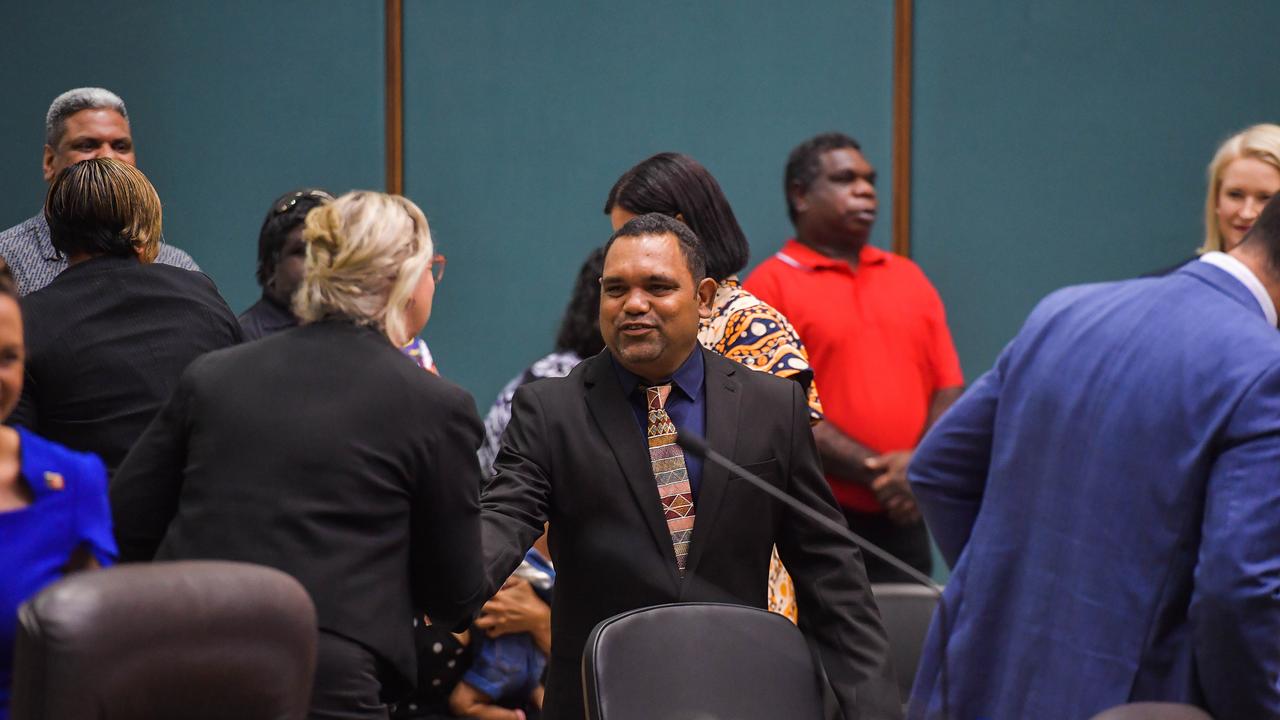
394	48
902	53
902	36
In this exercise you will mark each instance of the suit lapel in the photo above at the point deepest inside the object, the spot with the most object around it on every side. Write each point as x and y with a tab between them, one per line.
723	398
617	422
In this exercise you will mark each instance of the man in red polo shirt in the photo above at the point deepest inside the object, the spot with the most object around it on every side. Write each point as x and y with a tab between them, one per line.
878	341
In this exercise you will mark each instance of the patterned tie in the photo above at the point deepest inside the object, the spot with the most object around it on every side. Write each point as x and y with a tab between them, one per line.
670	473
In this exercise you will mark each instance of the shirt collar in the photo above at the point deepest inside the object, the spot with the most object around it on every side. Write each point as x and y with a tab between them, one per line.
100	264
274	315
688	377
271	303
39	227
1241	272
799	255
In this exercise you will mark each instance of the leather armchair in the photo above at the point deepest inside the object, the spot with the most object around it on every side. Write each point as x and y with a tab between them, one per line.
194	640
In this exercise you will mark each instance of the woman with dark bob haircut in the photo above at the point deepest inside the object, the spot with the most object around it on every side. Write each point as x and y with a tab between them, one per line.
578	339
108	338
741	327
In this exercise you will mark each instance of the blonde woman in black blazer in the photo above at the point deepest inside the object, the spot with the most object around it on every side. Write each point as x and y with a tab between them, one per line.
324	452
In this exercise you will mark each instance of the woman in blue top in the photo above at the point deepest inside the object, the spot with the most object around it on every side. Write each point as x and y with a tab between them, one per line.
54	517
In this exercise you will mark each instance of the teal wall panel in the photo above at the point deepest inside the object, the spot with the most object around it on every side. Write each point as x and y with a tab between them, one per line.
1055	142
233	103
1066	142
520	116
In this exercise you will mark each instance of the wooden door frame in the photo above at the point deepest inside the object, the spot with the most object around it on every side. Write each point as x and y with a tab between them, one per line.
903	32
394	51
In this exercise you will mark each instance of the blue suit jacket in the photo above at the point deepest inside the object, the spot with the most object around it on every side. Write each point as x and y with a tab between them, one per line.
1109	497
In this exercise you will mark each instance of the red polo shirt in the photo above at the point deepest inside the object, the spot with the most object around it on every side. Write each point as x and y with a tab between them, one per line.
878	341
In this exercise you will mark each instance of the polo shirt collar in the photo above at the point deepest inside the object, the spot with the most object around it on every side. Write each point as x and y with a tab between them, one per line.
799	255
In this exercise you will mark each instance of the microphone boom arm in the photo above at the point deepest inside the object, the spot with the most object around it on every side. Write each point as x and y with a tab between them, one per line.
699	446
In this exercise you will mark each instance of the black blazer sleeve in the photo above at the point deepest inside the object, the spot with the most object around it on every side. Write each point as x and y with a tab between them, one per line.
837	611
144	492
515	500
450	586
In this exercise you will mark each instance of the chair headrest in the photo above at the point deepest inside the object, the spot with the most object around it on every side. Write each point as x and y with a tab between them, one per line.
165	639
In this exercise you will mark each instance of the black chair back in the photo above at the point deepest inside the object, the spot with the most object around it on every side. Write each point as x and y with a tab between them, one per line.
906	609
196	640
697	661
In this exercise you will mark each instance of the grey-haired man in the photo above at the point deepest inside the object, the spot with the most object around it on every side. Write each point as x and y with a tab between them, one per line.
81	124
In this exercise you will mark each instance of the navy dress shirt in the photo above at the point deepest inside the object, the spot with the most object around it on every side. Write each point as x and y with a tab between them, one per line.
686	404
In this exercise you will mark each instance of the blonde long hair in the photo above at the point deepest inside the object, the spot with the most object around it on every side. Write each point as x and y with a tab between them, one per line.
366	252
1260	142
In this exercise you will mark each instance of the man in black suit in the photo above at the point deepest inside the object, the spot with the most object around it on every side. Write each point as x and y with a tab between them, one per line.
635	523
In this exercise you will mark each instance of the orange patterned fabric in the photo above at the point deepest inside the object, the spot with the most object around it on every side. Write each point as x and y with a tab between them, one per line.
745	329
782	590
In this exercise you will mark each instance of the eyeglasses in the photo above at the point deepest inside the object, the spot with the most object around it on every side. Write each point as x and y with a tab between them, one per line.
292	199
437	267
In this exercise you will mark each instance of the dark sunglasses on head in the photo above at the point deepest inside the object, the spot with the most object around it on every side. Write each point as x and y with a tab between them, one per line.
292	199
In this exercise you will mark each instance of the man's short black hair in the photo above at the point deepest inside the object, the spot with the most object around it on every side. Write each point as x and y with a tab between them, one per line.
287	212
676	184
805	162
1266	232
659	224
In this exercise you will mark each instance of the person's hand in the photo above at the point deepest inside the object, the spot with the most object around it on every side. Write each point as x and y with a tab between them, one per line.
515	609
891	487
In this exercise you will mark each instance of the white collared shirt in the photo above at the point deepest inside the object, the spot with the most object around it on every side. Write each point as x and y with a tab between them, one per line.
1241	272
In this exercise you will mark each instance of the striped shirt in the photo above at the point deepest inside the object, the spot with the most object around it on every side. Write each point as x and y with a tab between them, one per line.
35	263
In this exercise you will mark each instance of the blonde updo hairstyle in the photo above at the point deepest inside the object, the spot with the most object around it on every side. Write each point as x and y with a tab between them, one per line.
366	252
1260	142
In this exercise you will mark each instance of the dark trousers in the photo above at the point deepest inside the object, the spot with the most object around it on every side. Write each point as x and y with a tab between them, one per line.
909	543
347	684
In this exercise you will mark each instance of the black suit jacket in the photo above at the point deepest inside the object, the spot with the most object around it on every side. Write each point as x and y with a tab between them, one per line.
574	454
326	453
106	342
